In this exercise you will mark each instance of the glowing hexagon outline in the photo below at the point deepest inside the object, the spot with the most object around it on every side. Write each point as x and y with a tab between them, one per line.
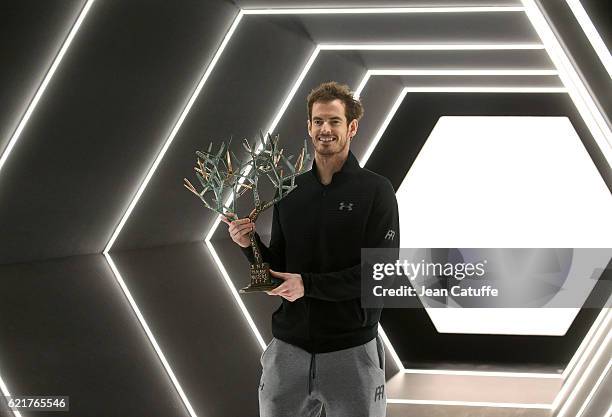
538	22
588	343
208	241
145	182
373	144
294	89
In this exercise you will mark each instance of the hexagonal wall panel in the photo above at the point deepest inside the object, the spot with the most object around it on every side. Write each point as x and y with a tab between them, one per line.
493	182
419	114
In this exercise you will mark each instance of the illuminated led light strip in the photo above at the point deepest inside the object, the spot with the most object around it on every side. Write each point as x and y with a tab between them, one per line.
430	47
45	83
382	128
591	33
175	130
425	47
369	73
134	201
361	85
294	89
578	92
460	72
149	334
459	89
237	298
542	406
572	397
482	373
588	399
469	89
5	392
568	384
585	342
387	10
400	366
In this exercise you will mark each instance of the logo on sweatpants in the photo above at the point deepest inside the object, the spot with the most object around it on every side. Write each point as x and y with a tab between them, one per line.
346	206
379	393
390	234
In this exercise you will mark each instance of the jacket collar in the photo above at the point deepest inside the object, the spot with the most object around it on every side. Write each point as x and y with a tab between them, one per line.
350	165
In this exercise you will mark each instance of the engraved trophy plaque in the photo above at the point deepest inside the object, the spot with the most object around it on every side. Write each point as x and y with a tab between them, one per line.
221	172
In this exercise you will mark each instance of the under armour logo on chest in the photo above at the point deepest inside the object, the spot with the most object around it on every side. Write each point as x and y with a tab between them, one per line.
346	206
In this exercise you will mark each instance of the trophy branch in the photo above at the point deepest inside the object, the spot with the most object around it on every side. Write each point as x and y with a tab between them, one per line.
221	172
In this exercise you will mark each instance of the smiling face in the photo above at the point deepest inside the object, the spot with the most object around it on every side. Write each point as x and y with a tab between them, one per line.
328	128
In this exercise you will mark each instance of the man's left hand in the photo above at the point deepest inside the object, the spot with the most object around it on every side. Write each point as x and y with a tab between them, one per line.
291	289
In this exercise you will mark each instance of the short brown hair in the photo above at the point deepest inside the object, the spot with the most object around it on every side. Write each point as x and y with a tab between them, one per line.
331	91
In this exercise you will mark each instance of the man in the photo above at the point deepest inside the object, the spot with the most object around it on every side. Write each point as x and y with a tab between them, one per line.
326	350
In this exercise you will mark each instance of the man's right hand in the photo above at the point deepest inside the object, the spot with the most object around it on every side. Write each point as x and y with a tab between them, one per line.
239	229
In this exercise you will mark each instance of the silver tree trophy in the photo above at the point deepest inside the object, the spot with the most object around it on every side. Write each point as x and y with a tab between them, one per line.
221	171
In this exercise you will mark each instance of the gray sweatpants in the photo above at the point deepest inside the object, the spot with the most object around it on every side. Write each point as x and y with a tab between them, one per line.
348	382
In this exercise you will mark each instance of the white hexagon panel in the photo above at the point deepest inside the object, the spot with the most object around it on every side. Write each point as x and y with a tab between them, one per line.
504	182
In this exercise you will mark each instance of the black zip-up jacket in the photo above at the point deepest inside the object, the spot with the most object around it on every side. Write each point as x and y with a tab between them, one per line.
318	231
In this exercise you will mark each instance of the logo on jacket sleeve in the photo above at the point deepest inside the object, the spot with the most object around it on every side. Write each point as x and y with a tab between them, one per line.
379	393
390	234
346	206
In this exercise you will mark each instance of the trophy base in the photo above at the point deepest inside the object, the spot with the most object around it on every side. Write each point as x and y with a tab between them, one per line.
258	288
261	279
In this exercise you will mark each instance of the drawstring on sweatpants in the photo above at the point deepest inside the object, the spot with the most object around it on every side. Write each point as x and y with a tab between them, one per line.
312	371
